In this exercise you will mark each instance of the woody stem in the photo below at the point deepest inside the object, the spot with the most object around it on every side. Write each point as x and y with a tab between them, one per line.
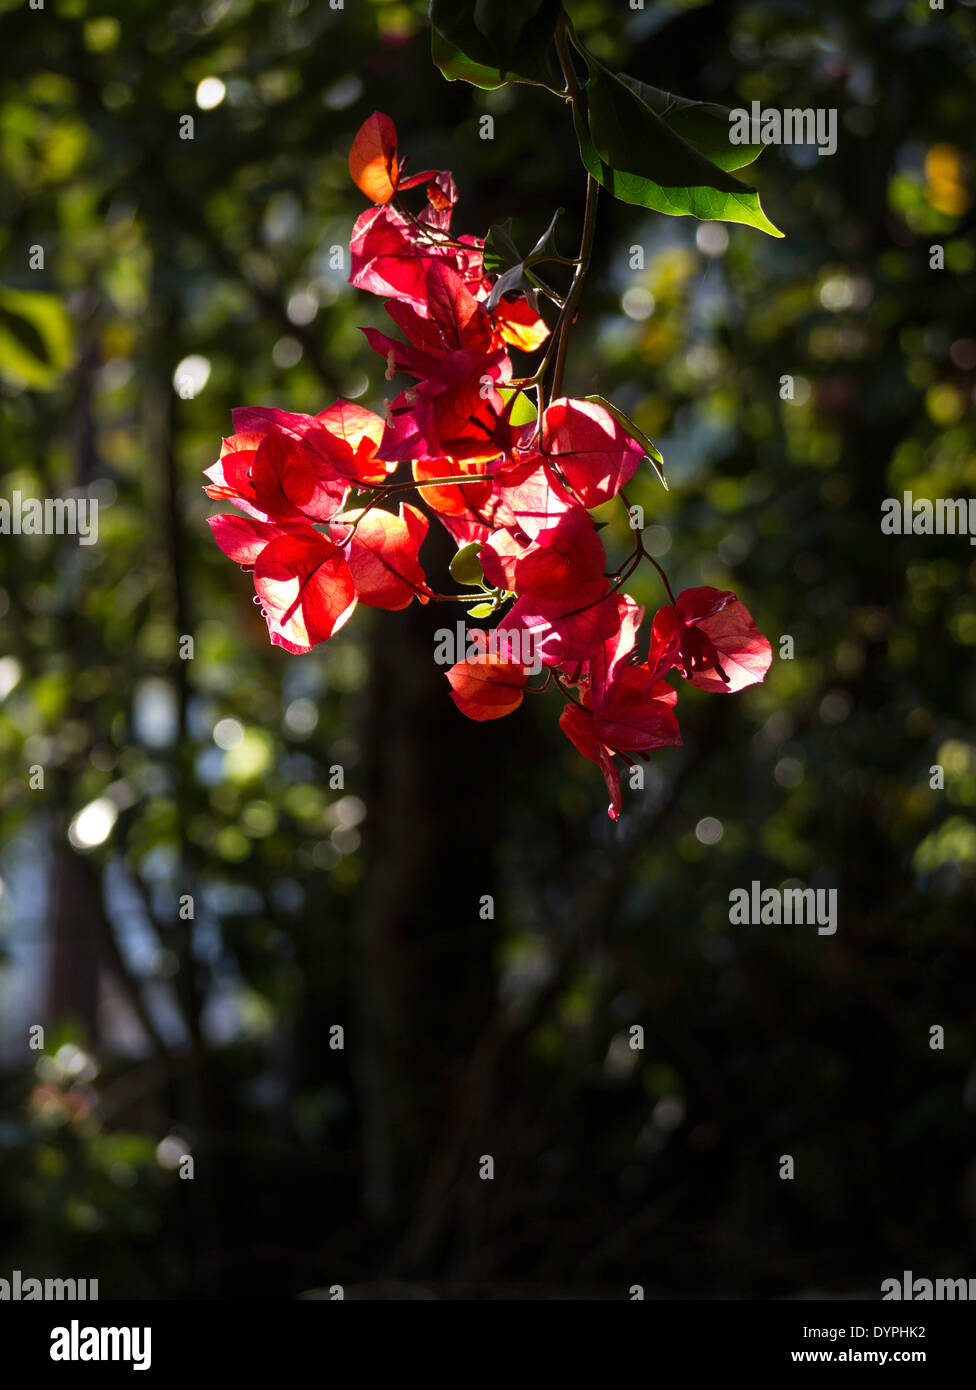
574	93
568	313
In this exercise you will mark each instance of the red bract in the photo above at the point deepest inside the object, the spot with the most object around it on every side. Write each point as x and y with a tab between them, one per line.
554	565
500	554
291	467
579	727
305	588
381	551
564	558
567	629
441	193
291	482
458	317
388	257
230	476
376	172
352	439
372	159
465	500
529	496
487	687
607	658
633	715
593	451
271	472
713	641
626	708
454	320
400	356
457	412
520	324
243	538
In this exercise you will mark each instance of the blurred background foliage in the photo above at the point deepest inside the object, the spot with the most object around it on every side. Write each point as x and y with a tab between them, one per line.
182	278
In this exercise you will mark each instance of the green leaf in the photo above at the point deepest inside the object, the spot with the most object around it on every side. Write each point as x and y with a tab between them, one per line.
36	339
508	283
481	610
703	124
631	151
542	250
500	250
489	42
523	411
466	567
458	68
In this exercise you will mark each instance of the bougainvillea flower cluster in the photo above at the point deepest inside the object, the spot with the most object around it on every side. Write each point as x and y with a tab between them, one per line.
322	526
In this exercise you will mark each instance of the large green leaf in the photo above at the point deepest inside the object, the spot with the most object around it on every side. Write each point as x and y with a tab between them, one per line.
458	68
489	42
635	154
704	124
36	340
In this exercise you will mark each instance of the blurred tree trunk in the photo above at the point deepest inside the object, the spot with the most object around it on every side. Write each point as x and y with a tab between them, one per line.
75	906
433	784
75	939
